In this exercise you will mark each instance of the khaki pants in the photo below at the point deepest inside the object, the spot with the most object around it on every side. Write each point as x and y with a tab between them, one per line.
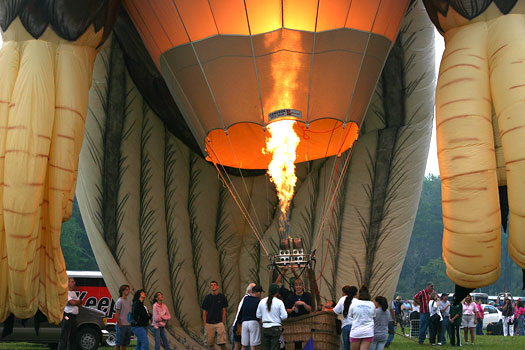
210	330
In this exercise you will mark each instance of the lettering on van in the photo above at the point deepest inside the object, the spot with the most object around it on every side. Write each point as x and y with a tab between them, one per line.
104	303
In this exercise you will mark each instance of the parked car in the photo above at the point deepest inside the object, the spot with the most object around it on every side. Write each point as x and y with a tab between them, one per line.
491	315
91	325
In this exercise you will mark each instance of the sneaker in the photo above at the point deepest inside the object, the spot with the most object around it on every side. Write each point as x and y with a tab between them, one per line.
439	344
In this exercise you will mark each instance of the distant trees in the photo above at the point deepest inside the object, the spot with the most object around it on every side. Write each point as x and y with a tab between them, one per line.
75	244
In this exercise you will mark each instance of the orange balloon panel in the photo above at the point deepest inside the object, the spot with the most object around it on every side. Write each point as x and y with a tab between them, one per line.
230	64
242	146
182	21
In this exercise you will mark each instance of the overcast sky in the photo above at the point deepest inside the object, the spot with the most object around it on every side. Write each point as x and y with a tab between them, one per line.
432	163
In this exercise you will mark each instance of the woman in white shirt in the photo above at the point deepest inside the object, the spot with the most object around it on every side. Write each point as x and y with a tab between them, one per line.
362	312
435	318
343	307
272	312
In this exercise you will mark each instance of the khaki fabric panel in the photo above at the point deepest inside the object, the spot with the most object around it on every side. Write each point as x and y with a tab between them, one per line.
410	157
9	61
89	179
185	70
357	212
373	61
157	244
128	251
227	62
204	190
181	275
182	255
336	66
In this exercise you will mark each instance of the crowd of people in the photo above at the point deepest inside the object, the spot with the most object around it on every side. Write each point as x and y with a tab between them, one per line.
366	322
441	317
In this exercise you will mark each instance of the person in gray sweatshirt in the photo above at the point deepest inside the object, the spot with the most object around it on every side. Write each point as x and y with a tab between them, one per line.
380	323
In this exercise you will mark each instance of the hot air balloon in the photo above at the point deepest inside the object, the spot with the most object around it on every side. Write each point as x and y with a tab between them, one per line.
175	98
480	135
233	67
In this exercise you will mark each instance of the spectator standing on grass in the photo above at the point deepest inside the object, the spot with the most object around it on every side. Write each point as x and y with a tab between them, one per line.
68	333
251	331
237	325
214	315
272	313
470	310
362	312
508	318
455	317
140	320
161	315
435	319
423	298
380	323
480	317
407	309
342	307
123	327
391	324
444	308
520	315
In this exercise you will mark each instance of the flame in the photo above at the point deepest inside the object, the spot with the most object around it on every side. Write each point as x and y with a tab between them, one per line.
283	140
282	144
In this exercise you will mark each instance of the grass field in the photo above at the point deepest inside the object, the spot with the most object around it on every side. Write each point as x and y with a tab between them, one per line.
400	343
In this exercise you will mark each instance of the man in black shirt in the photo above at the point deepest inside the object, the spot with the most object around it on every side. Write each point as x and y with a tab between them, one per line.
214	314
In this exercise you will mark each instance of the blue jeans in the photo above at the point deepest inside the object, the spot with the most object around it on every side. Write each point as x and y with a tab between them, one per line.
391	333
424	321
141	333
521	325
159	333
117	335
345	334
479	326
379	345
445	328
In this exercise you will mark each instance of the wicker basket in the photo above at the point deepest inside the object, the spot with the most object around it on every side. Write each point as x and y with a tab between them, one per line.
320	326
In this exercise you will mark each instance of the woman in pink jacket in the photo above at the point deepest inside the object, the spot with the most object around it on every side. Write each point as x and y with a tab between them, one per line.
161	314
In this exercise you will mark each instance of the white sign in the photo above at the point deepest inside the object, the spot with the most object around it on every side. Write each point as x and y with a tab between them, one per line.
280	113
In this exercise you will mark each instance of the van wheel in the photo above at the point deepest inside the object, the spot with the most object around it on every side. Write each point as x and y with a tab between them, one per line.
88	339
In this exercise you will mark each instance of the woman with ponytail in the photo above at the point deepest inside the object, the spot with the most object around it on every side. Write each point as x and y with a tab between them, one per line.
362	312
382	315
272	312
343	307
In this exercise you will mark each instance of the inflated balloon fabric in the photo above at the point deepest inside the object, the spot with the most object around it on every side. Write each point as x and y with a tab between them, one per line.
481	72
44	88
174	227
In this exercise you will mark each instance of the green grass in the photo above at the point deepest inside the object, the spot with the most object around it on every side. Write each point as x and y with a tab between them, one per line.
494	342
35	346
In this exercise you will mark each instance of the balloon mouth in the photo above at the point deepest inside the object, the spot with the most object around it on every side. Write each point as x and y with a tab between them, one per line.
240	146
